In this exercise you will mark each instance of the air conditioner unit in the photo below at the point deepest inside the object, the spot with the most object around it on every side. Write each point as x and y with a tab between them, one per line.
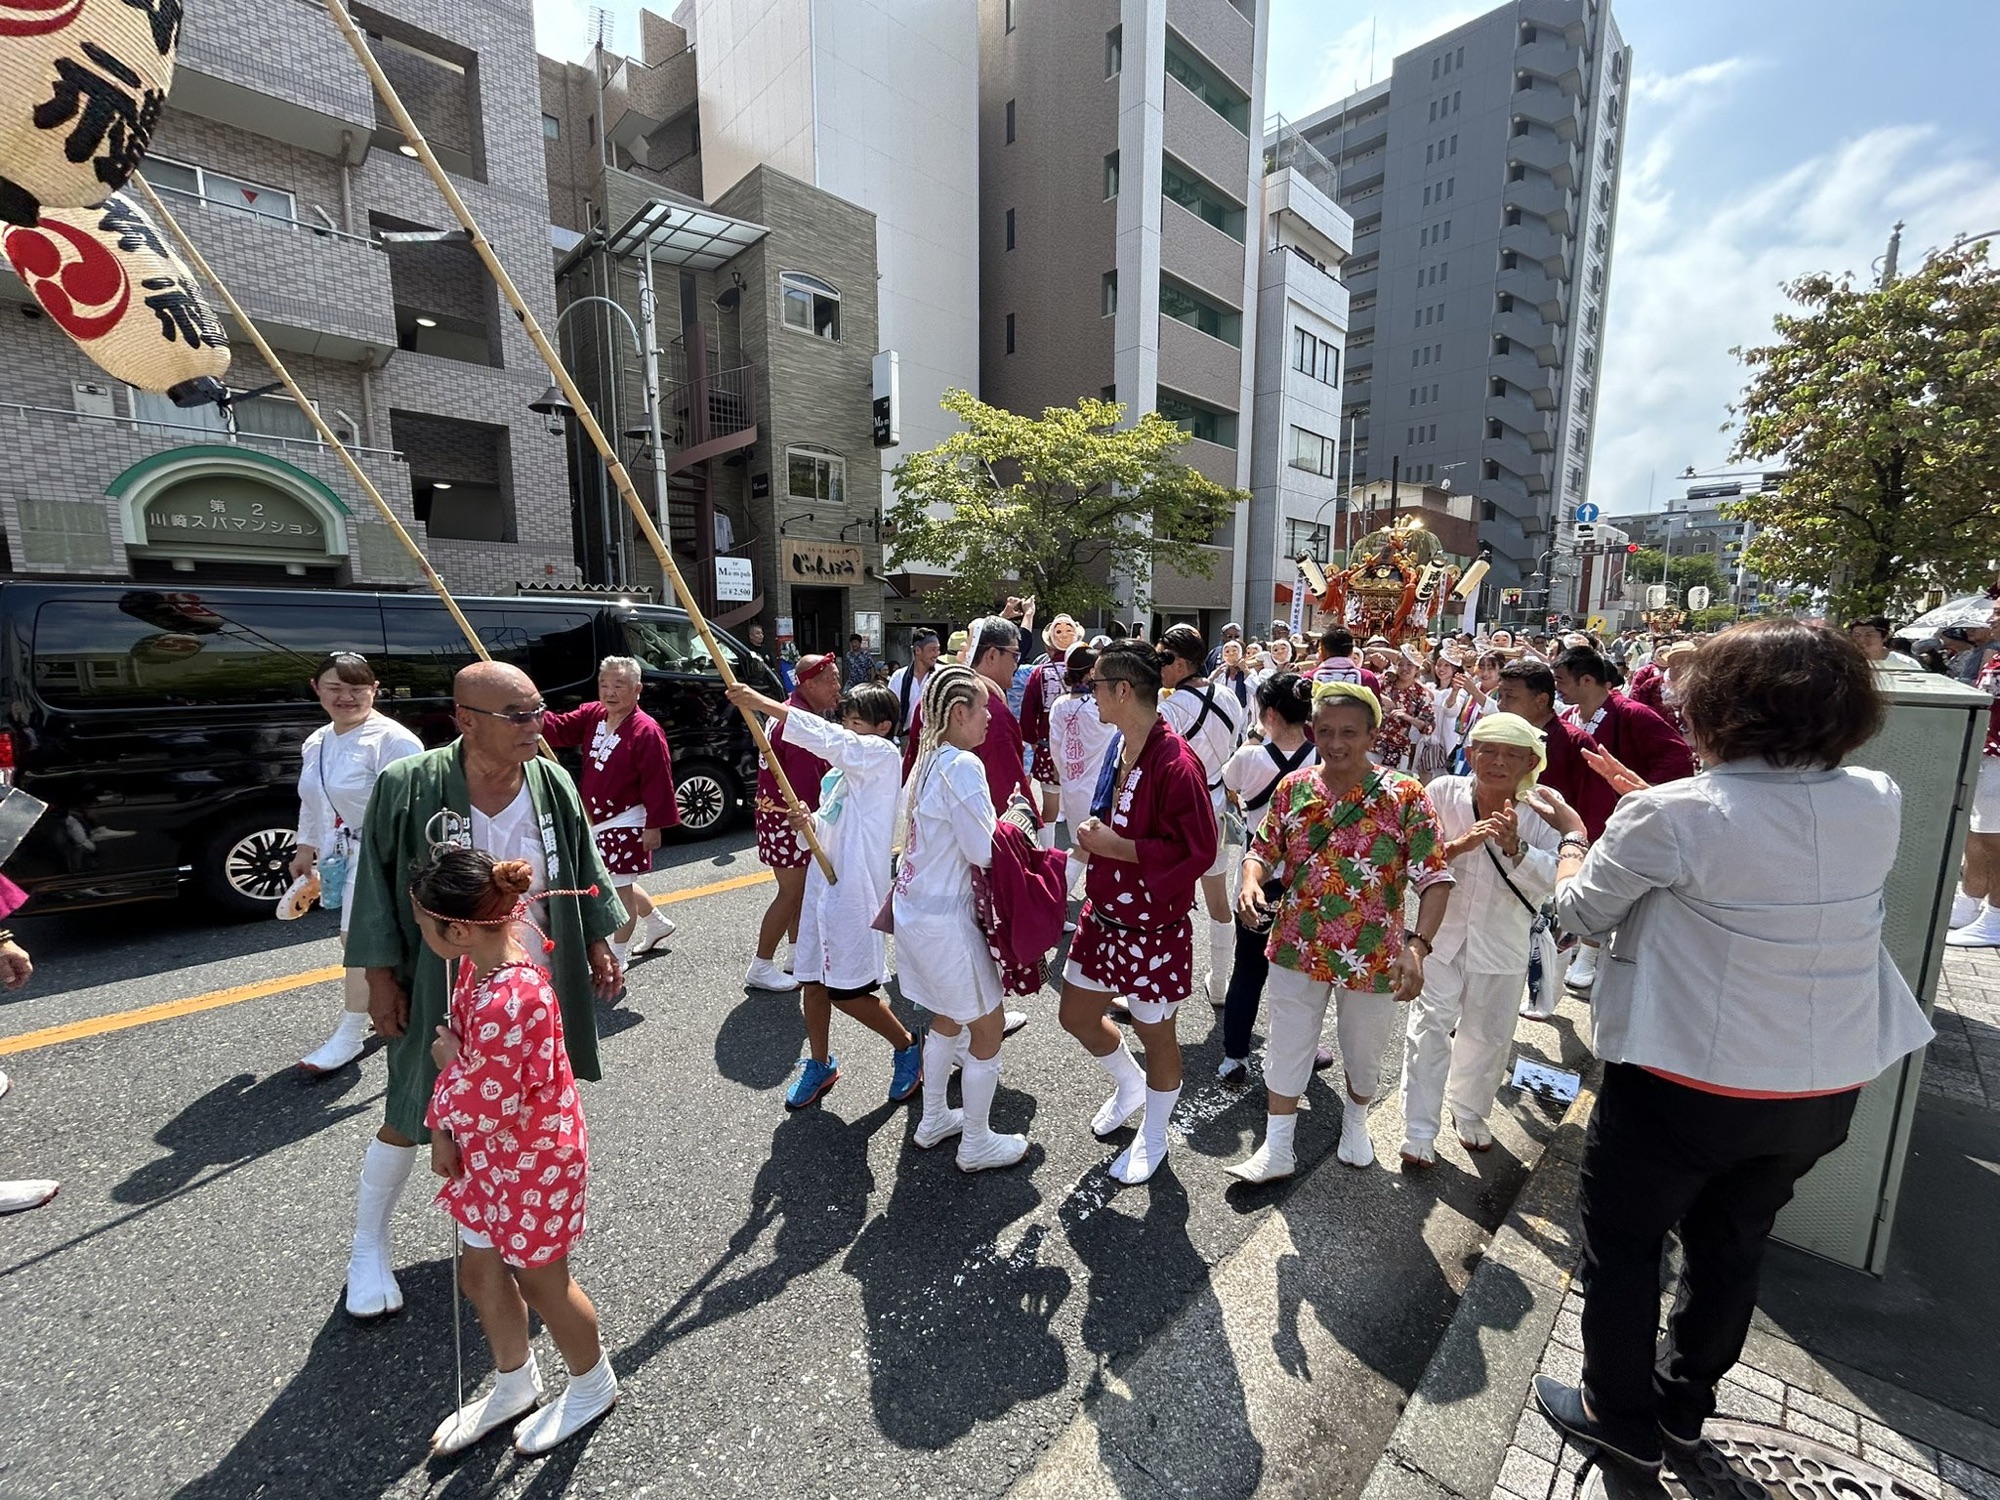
93	398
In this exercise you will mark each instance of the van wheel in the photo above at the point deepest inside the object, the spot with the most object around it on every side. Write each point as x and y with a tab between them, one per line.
246	867
707	796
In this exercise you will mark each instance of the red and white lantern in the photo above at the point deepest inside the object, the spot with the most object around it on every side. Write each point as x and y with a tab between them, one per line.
110	282
82	84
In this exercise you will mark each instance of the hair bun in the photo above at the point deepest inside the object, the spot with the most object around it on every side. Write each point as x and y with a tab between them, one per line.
513	876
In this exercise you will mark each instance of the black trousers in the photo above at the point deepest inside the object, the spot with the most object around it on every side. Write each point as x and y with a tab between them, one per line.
1662	1156
1246	991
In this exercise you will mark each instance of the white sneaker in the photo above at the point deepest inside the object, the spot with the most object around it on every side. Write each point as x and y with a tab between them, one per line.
340	1049
1265	1165
1983	931
26	1193
1355	1148
929	1132
1963	909
990	1151
1016	1019
654	929
513	1393
1582	968
765	975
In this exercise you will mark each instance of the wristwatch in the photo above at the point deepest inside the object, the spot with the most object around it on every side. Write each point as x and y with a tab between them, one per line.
1418	937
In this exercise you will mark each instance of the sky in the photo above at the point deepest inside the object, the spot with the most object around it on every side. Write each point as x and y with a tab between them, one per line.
1766	140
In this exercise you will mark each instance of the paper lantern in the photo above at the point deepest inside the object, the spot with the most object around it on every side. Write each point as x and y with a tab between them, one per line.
111	284
82	83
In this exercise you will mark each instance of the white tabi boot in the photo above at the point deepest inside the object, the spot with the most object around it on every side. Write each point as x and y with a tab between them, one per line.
1274	1159
1142	1158
371	1278
586	1398
940	1122
979	1149
514	1392
1126	1100
340	1049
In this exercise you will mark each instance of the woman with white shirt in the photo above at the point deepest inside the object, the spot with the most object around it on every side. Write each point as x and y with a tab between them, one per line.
1745	1001
1078	741
1503	856
340	763
942	960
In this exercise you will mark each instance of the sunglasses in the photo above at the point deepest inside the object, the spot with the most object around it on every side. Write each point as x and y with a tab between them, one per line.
1094	682
522	717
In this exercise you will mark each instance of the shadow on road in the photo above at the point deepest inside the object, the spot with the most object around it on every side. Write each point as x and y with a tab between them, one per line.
242	1119
759	1041
82	950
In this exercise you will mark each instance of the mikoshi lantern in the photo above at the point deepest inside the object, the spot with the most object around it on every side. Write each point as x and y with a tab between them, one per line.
112	284
82	83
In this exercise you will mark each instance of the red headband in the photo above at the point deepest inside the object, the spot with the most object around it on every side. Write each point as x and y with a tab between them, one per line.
519	913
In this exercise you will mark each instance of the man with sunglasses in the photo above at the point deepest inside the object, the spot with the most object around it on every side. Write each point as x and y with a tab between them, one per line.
489	789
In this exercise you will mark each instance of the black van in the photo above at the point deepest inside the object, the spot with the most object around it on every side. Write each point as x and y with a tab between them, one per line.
163	729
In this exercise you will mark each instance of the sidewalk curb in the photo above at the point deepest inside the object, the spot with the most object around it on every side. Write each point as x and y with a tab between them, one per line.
1453	1436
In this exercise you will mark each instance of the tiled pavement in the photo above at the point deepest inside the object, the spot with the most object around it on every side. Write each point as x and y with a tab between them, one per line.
1964	1061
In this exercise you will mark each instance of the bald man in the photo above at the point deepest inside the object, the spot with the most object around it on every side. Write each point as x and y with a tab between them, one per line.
490	790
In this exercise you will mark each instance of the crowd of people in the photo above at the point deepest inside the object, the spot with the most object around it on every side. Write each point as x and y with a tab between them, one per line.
1393	833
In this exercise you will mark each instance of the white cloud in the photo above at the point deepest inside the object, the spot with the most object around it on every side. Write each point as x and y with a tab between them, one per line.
1698	271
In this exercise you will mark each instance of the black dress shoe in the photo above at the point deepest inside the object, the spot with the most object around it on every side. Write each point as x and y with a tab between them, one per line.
1563	1406
1681	1438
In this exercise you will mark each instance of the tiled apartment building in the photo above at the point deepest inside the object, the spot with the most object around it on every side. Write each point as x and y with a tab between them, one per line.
277	158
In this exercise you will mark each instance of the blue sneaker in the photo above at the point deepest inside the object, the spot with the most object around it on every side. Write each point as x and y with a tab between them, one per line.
908	1076
815	1078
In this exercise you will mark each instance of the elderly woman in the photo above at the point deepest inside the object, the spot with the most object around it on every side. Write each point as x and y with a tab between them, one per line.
1348	840
1407	712
628	790
1503	858
1746	1000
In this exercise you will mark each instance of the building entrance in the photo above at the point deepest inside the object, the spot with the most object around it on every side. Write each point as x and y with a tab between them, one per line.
819	620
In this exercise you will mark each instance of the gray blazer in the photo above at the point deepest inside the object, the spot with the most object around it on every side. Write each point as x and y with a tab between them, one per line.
1744	909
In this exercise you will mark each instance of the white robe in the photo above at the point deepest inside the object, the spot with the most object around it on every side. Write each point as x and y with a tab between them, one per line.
1078	738
941	957
856	824
337	778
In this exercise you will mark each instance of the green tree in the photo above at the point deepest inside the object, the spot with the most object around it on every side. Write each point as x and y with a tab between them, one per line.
1057	506
1699	570
1884	404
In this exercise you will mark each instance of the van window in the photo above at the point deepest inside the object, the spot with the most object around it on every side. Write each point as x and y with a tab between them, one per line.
153	649
426	648
672	645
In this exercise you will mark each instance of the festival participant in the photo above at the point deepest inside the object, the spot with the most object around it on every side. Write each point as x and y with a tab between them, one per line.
20	1194
779	845
1150	837
1871	634
508	1138
338	766
489	789
1044	686
1277	660
1349	839
1078	740
993	649
840	957
1284	708
1337	663
1452	712
1234	674
1975	912
1502	856
1407	714
628	791
942	960
1232	633
1211	719
907	683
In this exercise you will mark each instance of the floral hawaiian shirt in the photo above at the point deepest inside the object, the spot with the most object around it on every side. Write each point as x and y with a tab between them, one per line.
1347	865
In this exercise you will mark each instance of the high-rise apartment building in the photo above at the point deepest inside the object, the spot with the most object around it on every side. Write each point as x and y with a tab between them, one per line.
1482	180
275	155
1120	200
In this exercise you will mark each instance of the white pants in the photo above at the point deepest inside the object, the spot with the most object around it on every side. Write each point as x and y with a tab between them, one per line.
1296	1004
1463	1069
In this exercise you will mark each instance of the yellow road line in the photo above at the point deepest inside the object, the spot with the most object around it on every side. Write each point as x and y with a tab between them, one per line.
145	1015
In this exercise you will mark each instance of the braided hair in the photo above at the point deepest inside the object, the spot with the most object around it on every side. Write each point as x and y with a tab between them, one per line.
949	686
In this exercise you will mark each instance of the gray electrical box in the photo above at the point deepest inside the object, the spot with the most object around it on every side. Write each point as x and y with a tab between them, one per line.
1931	745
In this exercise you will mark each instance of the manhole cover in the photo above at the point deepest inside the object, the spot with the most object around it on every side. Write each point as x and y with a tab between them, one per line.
1749	1461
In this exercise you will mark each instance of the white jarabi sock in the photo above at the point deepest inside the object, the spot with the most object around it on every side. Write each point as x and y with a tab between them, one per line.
371	1280
939	1053
978	1081
1278	1133
1130	1090
1143	1157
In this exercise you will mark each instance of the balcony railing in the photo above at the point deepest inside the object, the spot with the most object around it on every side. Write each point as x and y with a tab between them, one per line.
712	416
1285	148
170	432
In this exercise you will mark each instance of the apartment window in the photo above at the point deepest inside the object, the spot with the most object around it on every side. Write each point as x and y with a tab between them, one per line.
1512	217
1313	453
1010	122
1315	356
1506	302
1509	260
1590	320
1527	34
1198	419
1436	63
1493	427
1444	270
551	128
1498	387
1427	197
1427	154
1454	145
1010	15
811	306
1447	229
1456	98
214	187
1517	173
1217	92
1184	304
1114	51
1434	111
1010	229
1461	57
1010	333
1111	175
1490	469
1520	127
1502	344
1107	295
1192	193
815	474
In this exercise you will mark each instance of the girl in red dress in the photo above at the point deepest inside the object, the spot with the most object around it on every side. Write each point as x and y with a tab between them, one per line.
508	1137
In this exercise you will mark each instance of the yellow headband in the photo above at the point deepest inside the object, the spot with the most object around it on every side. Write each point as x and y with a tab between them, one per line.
1351	692
1512	729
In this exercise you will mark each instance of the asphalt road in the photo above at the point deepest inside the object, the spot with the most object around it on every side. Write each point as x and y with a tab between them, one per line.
796	1304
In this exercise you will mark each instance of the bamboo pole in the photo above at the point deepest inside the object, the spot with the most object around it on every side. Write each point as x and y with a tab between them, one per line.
386	92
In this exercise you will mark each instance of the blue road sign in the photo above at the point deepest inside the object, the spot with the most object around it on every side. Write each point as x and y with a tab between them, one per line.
1586	513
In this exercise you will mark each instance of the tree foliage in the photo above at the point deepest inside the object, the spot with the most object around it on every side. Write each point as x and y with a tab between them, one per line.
1701	570
1884	404
1061	506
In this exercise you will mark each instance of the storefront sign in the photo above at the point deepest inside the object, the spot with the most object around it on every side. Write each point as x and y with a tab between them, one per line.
822	562
233	512
734	583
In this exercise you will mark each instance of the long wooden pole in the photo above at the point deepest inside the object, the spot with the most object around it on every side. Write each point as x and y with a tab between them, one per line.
386	92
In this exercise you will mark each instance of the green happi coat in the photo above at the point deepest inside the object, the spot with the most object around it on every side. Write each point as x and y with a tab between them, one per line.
382	929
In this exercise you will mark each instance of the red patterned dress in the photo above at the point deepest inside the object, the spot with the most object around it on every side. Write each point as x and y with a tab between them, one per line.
510	1103
628	782
1134	937
778	842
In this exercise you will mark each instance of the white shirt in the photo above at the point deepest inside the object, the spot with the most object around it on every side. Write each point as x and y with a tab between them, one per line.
512	833
1251	772
856	824
1221	730
1078	740
896	680
1485	927
941	957
338	771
